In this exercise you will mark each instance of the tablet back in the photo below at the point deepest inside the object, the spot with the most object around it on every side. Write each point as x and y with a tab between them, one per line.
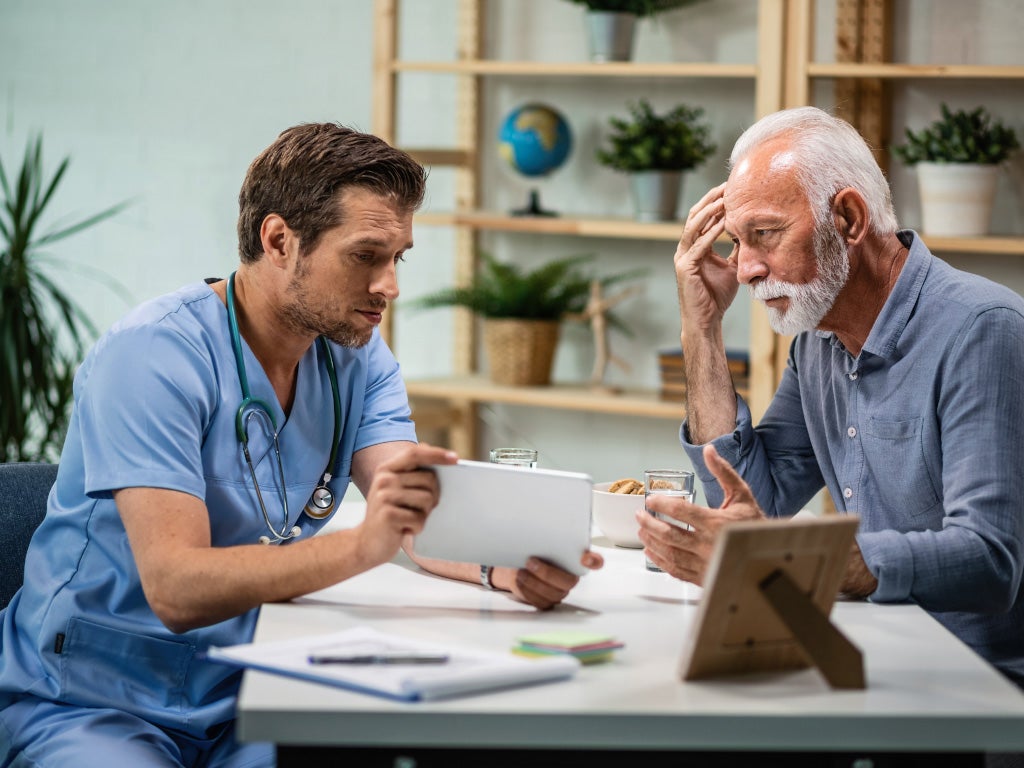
501	515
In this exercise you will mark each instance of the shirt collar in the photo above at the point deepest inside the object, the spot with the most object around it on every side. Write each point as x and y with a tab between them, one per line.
885	333
892	320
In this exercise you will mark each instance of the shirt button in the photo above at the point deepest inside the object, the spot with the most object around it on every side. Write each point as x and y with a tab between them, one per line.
852	431
847	493
853	376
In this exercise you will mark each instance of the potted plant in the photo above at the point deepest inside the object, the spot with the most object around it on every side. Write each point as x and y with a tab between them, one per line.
522	311
655	150
957	159
44	331
611	23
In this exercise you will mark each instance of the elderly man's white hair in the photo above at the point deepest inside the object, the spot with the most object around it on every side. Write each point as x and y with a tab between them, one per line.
830	155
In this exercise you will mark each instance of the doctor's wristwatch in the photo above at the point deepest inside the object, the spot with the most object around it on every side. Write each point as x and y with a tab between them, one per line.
485	576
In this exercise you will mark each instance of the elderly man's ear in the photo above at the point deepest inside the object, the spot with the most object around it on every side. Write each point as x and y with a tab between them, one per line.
850	213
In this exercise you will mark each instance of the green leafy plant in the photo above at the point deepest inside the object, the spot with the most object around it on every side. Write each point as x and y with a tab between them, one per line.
635	7
675	141
43	331
502	290
959	137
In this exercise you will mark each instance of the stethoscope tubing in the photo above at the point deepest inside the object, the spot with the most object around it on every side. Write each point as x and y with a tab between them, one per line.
321	504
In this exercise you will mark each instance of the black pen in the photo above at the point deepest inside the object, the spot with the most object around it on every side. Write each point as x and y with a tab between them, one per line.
380	658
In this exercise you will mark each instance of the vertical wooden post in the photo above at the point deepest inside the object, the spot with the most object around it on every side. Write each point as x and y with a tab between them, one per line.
385	48
463	430
863	34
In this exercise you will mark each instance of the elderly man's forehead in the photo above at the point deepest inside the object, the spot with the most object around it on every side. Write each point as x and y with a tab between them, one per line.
772	163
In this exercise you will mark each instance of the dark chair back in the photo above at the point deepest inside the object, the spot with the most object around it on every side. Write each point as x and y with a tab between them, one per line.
24	488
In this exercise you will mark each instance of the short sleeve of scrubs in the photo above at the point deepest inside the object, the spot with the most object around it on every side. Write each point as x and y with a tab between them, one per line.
143	407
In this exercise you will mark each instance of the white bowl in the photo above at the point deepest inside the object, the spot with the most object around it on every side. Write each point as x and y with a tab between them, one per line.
615	515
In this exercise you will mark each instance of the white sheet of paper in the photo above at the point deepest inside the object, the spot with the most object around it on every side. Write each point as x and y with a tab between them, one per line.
468	670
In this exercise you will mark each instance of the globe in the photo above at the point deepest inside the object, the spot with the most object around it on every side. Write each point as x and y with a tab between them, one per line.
534	139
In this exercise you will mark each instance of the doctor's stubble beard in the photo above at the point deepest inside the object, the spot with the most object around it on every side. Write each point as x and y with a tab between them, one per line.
808	302
303	317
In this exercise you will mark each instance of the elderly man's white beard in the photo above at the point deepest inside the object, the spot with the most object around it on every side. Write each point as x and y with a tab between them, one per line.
808	302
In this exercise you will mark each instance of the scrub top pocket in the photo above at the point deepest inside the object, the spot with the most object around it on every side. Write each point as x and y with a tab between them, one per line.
102	666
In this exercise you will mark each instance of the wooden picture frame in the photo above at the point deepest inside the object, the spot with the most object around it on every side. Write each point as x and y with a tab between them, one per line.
767	597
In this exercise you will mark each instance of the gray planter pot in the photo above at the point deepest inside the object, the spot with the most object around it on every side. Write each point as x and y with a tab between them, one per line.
611	35
655	194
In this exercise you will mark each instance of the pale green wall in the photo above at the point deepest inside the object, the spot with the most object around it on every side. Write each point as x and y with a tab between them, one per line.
167	102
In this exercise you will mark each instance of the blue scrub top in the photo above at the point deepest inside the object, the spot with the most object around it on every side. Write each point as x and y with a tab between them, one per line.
155	404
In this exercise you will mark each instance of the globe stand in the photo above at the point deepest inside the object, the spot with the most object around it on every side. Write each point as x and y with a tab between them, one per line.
533	207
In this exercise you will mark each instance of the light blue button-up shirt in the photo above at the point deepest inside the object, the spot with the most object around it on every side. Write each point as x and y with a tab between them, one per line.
922	435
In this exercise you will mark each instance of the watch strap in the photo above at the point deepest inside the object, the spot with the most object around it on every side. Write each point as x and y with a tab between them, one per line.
485	576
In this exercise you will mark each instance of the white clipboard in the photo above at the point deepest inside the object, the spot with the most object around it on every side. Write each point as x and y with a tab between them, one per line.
502	515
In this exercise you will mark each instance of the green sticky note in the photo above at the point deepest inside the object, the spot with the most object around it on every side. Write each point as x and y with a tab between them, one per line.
567	639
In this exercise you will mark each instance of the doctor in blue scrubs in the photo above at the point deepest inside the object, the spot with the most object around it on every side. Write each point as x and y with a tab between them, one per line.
212	433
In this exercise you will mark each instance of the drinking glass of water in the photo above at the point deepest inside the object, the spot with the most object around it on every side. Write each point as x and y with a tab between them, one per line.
667	482
516	457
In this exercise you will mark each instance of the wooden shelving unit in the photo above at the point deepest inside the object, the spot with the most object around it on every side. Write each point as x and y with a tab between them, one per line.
781	77
453	402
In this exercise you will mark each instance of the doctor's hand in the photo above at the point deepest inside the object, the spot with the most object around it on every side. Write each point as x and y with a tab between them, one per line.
685	554
401	496
540	583
706	283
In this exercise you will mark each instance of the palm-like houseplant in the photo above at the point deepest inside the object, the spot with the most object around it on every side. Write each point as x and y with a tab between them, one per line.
522	310
44	332
957	159
655	149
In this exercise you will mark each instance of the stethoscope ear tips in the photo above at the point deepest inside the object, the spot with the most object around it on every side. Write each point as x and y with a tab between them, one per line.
294	533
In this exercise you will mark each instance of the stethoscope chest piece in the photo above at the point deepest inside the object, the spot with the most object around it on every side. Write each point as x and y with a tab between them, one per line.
321	503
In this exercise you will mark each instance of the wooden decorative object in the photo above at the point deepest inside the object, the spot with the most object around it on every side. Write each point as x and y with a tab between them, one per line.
596	313
769	590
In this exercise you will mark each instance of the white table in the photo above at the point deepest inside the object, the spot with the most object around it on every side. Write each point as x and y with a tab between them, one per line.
926	691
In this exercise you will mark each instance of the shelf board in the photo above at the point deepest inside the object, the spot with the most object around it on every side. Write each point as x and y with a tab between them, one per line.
631	229
1004	245
608	227
915	71
477	389
624	69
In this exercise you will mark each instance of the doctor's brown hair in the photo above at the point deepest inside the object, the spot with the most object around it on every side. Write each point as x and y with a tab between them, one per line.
301	175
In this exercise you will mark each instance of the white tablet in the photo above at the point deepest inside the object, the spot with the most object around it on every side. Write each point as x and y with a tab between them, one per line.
502	515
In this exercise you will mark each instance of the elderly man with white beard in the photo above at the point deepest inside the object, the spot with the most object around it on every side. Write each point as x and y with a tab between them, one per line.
903	394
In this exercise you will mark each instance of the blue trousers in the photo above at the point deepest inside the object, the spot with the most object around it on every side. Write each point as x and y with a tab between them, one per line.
36	733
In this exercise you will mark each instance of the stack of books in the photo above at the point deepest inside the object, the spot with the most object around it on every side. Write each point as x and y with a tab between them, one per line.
585	647
673	380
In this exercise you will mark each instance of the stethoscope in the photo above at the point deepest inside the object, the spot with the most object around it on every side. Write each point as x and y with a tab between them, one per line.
321	503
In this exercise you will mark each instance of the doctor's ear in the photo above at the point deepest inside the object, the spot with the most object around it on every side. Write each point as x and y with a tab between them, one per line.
275	236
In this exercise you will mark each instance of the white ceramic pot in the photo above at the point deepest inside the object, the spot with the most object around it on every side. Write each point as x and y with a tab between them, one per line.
956	198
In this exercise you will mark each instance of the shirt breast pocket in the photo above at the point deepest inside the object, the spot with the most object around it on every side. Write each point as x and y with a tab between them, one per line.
895	465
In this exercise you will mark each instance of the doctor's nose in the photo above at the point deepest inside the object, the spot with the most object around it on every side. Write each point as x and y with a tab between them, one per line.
385	283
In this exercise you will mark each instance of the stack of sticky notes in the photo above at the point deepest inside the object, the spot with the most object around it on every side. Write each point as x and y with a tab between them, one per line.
588	647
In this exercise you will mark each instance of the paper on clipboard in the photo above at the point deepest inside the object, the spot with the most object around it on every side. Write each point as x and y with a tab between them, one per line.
503	515
468	670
